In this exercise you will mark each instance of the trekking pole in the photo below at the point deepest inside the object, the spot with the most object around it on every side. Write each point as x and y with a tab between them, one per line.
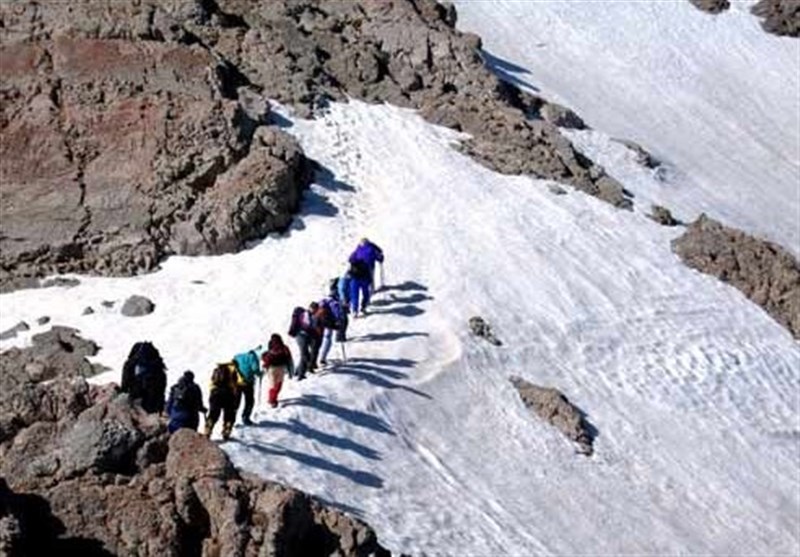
383	281
258	400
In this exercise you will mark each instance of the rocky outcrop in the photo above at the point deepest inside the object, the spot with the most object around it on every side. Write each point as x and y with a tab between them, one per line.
553	407
408	53
766	273
125	141
88	472
781	17
711	6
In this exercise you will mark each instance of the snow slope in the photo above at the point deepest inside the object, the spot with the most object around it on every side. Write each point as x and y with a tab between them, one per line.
715	97
693	390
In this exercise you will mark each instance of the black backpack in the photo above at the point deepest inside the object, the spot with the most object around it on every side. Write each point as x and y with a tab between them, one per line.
296	325
181	399
359	270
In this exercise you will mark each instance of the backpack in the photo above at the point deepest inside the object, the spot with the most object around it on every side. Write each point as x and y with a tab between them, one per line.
333	288
180	396
297	321
219	377
332	316
359	270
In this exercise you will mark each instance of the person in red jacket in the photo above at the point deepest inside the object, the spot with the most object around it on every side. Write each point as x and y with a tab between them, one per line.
277	362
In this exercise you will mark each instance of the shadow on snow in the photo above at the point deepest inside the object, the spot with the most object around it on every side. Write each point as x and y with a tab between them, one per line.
354	417
360	477
297	427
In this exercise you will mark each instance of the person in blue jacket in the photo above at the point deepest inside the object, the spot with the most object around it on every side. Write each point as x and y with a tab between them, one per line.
185	404
362	274
248	364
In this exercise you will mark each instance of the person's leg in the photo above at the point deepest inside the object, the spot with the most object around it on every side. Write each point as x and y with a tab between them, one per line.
354	295
214	410
302	345
249	402
313	347
276	382
229	415
326	346
364	287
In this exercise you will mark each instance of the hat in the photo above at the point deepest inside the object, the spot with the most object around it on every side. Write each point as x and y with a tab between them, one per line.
188	375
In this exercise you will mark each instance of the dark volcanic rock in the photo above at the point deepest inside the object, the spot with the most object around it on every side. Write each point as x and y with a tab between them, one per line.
84	471
480	328
663	216
763	271
12	332
712	6
139	133
781	17
553	407
136	306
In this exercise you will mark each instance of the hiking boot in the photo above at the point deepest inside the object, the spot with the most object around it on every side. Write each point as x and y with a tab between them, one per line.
247	421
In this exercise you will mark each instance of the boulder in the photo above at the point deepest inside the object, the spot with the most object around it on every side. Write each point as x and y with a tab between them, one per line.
552	406
712	6
136	306
20	327
482	329
763	271
781	17
663	216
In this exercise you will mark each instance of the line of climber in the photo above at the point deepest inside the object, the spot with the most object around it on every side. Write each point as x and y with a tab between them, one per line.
314	329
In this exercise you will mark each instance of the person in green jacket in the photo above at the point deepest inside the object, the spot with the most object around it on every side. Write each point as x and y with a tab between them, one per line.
248	364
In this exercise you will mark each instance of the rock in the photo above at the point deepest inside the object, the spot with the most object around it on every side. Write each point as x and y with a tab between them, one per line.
107	304
556	189
192	456
61	281
562	116
12	332
553	407
136	306
481	328
643	157
44	320
763	271
87	311
781	17
712	6
663	216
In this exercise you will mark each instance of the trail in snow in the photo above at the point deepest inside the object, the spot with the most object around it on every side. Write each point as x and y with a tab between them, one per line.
692	388
715	97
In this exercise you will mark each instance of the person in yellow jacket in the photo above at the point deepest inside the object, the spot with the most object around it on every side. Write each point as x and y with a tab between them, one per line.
223	398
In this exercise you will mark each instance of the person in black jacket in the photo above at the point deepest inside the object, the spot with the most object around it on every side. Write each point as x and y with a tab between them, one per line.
185	404
144	377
